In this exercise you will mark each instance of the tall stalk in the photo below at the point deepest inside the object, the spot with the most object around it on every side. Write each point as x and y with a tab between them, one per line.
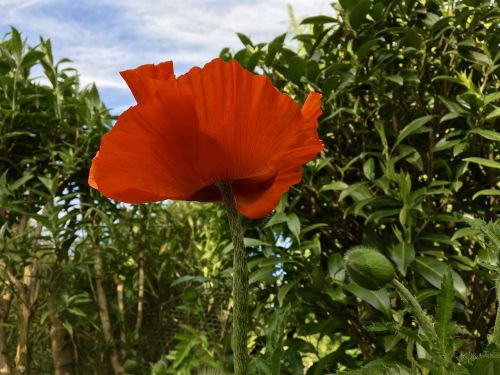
496	328
420	315
240	283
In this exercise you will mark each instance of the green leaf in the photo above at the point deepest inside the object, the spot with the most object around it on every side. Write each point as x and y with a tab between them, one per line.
488	364
348	4
277	218
444	144
312	227
293	223
283	291
413	127
259	367
337	185
444	310
488	258
318	20
396	78
487	192
491	97
377	12
369	169
433	270
366	47
450	116
296	68
274	47
20	181
68	327
465	232
493	114
244	39
477	57
357	15
48	183
414	39
336	266
403	255
274	338
378	215
188	278
358	191
379	299
249	242
488	134
263	274
484	162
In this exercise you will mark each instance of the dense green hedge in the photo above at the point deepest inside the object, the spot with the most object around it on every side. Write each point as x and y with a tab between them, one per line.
410	168
411	102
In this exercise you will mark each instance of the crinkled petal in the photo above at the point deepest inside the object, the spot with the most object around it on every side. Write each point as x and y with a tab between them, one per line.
151	154
245	114
257	206
311	109
218	123
138	79
289	167
91	180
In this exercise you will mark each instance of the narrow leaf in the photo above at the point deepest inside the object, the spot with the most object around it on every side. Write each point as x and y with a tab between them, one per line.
493	114
486	192
403	255
484	162
318	20
379	299
488	134
283	291
444	310
293	223
411	128
244	39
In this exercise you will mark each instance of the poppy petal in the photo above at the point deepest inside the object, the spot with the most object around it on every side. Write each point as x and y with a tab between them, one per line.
213	124
150	154
306	146
245	114
91	181
138	79
311	109
269	198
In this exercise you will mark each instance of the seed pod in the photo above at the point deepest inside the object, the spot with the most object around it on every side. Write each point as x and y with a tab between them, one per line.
368	268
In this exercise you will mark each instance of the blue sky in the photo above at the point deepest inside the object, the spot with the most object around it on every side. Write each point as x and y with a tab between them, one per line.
106	36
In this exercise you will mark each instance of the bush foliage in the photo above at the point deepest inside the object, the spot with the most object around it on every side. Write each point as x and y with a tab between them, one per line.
410	169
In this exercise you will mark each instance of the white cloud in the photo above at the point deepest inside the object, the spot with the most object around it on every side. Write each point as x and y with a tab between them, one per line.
204	27
104	37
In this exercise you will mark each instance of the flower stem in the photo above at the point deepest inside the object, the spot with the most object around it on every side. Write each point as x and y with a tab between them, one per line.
240	283
496	329
420	315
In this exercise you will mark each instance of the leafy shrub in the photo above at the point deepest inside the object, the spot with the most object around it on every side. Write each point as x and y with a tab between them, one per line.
410	94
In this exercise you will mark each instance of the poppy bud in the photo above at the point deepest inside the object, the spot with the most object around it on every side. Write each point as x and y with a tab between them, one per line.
368	268
130	366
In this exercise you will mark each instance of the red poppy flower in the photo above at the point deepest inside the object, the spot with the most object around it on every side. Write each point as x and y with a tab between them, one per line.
212	124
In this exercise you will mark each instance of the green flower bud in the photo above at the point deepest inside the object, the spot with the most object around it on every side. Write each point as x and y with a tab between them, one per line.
368	268
130	366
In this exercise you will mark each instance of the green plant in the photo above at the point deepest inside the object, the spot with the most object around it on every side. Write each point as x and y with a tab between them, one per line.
410	107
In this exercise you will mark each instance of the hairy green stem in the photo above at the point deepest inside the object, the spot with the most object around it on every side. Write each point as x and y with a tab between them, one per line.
240	283
422	318
496	328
